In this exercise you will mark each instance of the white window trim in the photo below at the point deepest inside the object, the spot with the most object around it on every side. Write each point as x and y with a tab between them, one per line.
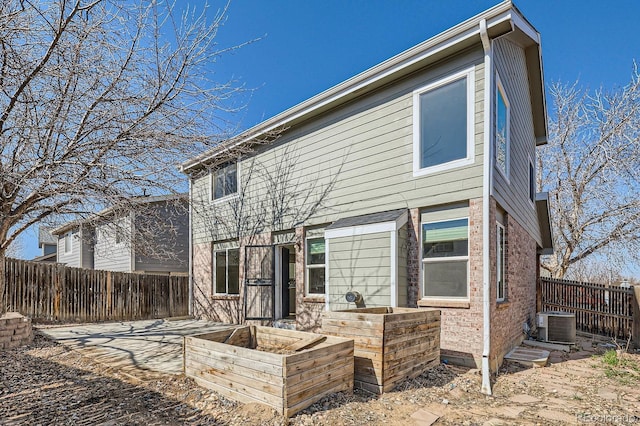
229	196
444	259
507	167
68	234
307	267
469	74
226	272
500	265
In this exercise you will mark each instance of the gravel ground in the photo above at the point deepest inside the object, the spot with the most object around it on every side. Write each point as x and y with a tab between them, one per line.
46	384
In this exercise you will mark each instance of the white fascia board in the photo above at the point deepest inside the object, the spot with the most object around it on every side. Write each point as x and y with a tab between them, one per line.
461	32
394	269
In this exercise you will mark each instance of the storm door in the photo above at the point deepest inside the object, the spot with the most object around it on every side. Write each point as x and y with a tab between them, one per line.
259	282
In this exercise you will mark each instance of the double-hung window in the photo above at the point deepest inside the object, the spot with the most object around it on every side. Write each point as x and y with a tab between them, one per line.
445	259
532	181
502	130
224	181
443	124
227	271
68	241
500	263
315	263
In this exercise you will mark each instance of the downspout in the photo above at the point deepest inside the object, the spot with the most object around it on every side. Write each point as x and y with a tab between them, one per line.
190	250
487	180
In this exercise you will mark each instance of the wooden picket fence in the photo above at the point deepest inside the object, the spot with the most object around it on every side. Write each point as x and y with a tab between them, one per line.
56	293
602	310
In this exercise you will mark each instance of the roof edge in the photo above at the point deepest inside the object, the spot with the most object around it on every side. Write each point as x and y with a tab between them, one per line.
494	16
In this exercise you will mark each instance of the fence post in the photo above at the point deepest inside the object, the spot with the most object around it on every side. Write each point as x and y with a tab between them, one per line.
635	325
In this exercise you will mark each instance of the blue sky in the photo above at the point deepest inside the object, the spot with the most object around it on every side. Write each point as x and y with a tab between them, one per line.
305	47
309	46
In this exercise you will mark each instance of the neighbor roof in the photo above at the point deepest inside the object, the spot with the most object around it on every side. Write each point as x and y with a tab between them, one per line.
45	237
136	200
501	19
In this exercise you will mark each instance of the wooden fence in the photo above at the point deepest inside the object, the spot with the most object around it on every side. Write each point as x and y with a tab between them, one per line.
52	292
599	309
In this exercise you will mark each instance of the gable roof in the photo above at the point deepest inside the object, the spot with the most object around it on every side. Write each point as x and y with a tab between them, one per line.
45	236
501	19
143	200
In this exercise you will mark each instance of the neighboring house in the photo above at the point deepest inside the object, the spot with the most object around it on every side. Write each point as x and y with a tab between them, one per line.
151	238
48	244
420	174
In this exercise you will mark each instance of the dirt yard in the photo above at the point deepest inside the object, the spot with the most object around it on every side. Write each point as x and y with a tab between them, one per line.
48	384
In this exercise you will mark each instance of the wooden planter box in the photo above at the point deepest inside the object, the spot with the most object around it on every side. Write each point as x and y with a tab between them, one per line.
246	368
391	344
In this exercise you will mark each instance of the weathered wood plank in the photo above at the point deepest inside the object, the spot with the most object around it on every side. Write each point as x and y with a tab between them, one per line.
403	346
55	292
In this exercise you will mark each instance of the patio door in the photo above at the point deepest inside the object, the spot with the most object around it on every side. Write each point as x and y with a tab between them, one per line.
259	282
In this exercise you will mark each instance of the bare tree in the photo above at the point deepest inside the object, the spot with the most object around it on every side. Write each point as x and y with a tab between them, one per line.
98	99
275	192
591	168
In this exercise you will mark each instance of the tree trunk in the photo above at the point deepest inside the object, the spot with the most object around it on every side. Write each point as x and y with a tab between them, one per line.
3	285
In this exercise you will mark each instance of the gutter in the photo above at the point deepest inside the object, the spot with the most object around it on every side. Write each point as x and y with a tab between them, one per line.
487	180
190	251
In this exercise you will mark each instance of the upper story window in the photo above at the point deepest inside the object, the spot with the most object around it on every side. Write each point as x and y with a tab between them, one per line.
224	181
502	129
443	124
68	241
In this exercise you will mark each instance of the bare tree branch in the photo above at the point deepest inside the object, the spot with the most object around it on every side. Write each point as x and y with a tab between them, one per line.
591	167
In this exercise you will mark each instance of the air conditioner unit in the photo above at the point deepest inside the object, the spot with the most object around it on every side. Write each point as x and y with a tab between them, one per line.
557	327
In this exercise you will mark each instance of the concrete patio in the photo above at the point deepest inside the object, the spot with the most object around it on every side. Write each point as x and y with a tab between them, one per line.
133	346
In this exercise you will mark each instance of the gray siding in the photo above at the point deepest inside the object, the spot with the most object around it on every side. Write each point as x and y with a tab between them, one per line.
73	257
87	249
362	151
403	246
108	255
361	263
174	242
513	195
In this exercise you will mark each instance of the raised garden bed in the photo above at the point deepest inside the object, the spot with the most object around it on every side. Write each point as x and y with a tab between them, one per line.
287	370
391	344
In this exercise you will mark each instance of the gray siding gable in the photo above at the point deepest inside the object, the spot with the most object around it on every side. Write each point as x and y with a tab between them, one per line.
363	152
513	193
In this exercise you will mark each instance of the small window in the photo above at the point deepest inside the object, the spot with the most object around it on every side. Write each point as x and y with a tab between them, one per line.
500	263
532	182
445	259
502	130
68	242
227	271
315	266
443	124
225	181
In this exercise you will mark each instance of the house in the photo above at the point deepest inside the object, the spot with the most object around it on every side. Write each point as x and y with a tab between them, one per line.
148	235
48	244
412	184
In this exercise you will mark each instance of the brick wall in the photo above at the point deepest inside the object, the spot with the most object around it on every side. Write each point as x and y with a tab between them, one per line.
308	308
15	330
507	318
413	258
206	305
461	333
